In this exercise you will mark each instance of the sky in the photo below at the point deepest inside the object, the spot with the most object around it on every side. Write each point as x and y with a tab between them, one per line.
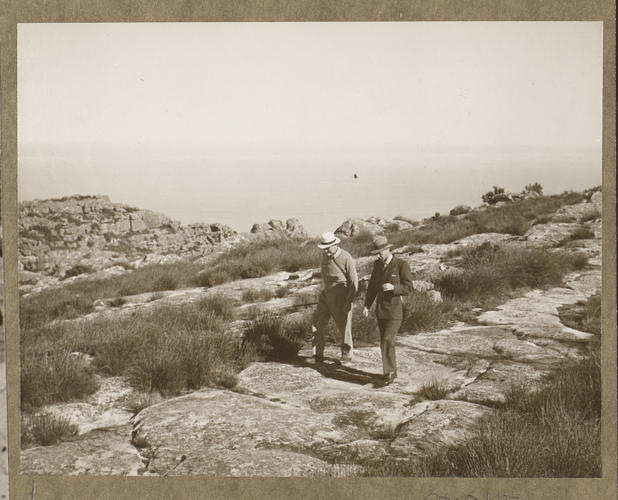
239	122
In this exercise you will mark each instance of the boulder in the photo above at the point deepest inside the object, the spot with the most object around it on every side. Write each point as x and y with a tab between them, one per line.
460	210
274	228
356	226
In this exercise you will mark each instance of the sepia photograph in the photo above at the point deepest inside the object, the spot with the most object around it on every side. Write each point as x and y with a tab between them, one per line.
310	250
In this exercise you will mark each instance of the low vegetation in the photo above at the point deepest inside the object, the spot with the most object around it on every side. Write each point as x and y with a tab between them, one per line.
433	390
257	295
554	431
45	429
423	314
166	348
584	316
515	218
581	233
490	271
272	338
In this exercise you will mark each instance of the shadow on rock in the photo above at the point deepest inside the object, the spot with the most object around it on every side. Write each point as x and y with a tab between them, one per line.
332	368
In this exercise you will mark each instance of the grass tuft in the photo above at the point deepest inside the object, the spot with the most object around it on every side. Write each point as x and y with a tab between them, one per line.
433	390
272	338
45	429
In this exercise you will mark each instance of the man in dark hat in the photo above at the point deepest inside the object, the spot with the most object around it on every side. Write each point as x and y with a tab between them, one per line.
340	286
390	282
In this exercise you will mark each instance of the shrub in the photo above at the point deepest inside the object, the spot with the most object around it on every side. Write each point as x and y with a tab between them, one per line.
157	366
271	338
481	255
252	271
219	304
45	429
213	278
421	313
49	374
116	347
494	272
209	358
490	196
533	188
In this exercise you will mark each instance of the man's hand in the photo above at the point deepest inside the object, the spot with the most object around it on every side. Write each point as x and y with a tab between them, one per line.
365	312
387	287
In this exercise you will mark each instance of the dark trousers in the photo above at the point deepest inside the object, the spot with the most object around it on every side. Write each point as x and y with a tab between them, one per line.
388	331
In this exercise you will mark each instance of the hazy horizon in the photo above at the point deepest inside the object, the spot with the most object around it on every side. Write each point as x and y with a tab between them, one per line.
200	188
244	122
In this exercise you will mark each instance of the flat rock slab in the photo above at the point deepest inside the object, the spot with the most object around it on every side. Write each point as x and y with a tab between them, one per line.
549	235
215	432
440	423
225	433
100	452
102	409
536	315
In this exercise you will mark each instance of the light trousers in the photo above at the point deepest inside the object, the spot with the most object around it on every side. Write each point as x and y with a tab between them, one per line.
333	303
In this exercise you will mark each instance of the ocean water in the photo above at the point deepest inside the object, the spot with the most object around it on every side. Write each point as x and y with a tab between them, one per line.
321	191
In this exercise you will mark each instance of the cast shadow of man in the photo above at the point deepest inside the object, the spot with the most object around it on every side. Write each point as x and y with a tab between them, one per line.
332	368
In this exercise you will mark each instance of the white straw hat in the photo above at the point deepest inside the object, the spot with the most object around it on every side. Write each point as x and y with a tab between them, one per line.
328	240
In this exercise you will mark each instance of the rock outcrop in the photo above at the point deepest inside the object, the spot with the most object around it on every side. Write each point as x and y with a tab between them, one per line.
374	225
292	228
56	235
77	235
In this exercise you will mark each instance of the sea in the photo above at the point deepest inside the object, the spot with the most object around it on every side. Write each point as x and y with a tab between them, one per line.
320	190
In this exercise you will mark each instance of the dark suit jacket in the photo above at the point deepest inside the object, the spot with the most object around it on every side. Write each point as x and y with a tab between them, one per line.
389	304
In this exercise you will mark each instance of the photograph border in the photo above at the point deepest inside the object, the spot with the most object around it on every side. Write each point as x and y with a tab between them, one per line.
60	11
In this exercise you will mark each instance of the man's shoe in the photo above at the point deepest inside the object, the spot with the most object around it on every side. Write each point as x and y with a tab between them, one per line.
317	359
389	378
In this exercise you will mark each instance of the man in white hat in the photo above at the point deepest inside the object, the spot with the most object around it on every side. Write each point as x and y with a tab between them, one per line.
390	282
340	287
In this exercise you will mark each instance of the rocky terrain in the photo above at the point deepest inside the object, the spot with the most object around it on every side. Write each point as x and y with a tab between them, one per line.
75	235
299	419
